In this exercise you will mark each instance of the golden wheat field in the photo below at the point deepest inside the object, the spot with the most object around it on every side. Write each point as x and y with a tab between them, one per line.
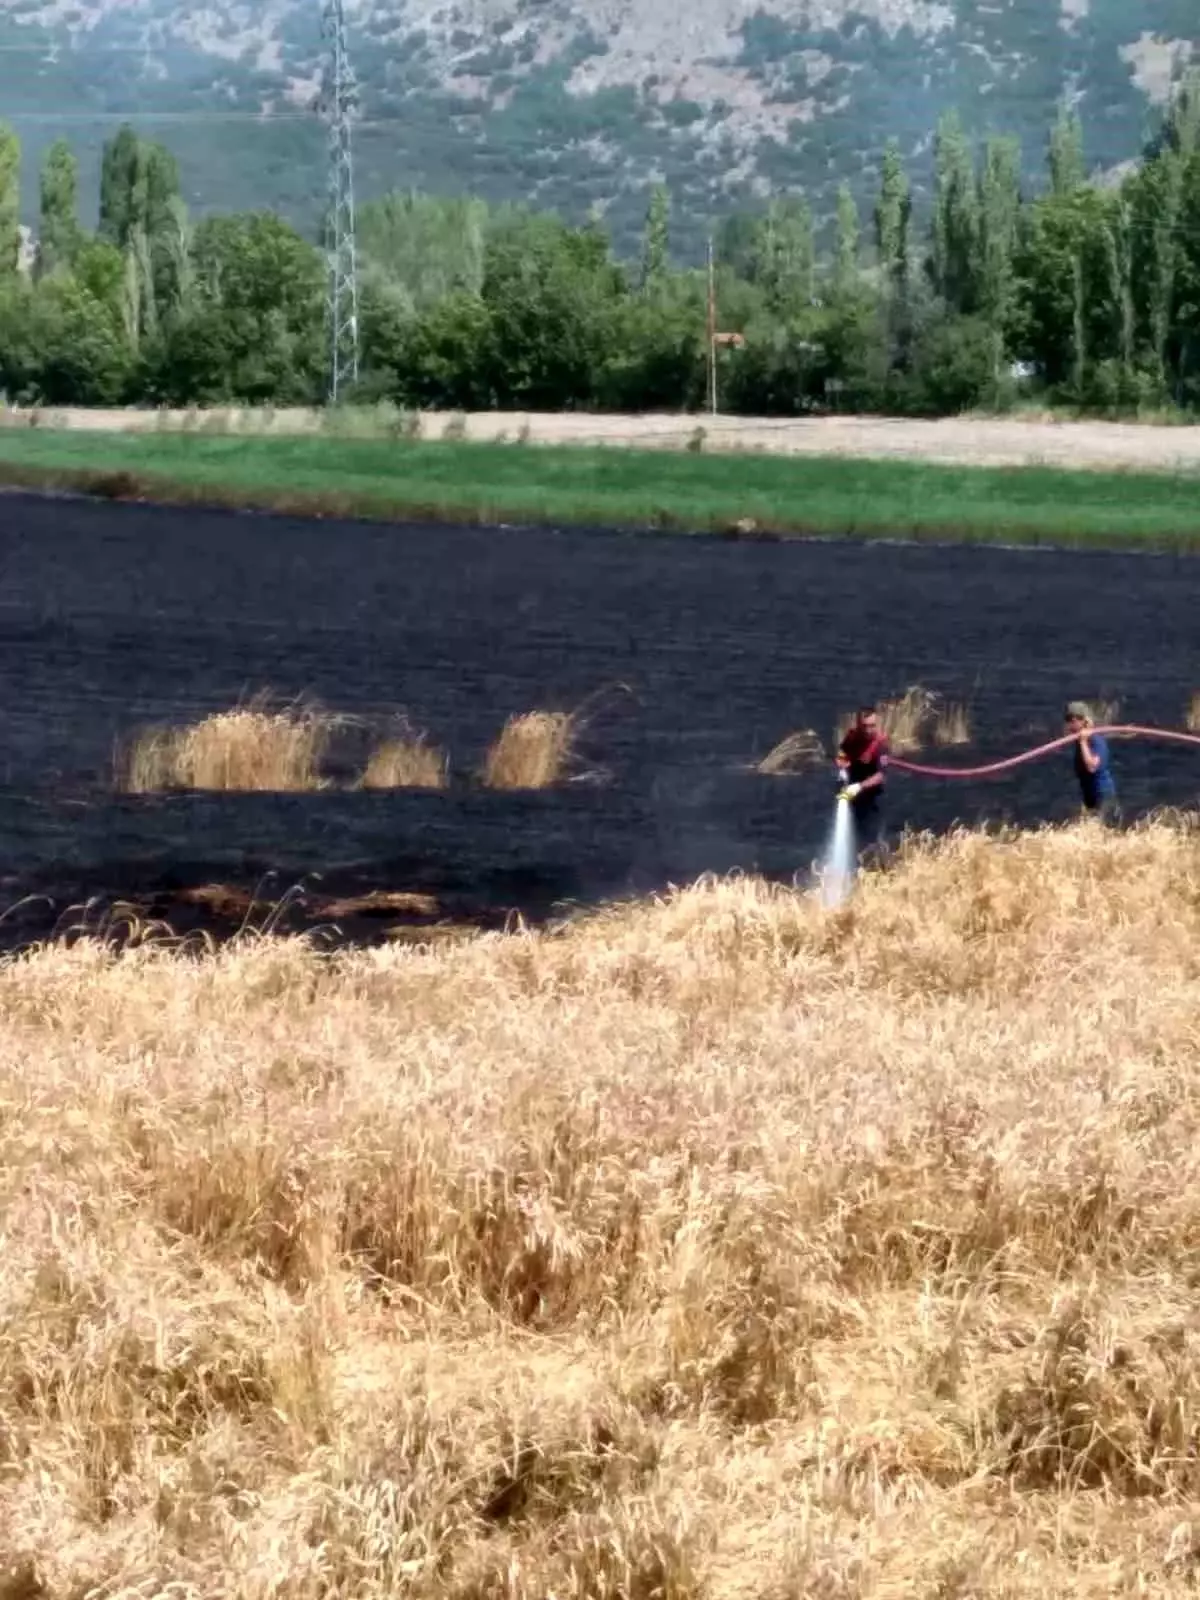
716	1246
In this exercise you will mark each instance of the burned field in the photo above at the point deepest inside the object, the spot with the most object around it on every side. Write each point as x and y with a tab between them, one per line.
692	658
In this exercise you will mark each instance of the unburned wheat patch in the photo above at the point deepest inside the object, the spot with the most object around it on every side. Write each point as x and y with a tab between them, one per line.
712	1246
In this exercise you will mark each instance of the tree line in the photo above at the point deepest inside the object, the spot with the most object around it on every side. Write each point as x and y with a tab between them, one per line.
1087	292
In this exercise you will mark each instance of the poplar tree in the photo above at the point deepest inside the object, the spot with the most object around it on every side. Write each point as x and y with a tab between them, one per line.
784	256
954	257
893	214
1180	143
139	188
656	241
139	213
1118	241
1079	349
119	177
999	220
1066	153
1066	180
58	222
177	252
845	249
10	202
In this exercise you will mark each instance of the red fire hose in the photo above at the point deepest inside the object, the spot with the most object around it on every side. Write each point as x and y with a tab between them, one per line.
1121	731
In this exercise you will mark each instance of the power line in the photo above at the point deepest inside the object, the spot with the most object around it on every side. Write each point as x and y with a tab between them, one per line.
139	114
339	137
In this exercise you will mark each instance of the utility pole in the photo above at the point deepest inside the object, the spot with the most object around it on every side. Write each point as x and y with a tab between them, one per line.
342	301
712	331
716	340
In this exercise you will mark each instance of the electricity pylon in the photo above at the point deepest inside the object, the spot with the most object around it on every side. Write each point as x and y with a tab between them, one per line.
337	103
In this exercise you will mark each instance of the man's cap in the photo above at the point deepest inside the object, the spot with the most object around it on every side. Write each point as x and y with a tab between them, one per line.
1077	708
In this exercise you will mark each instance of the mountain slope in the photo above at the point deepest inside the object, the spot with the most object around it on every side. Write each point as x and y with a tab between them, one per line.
580	103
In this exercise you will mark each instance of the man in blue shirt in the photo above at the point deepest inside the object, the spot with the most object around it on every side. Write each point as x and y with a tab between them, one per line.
1092	768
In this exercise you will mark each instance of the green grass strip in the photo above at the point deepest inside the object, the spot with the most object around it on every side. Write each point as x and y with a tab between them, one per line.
609	486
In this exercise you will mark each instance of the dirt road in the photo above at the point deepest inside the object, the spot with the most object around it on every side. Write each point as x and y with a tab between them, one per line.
979	441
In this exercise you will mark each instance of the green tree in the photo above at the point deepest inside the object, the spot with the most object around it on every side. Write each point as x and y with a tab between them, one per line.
1118	241
654	348
845	250
955	236
893	214
442	359
118	183
82	357
99	268
656	240
59	235
1066	154
550	292
198	359
139	213
893	217
1165	183
784	256
854	371
417	249
256	263
252	330
999	226
953	364
10	202
133	292
139	180
735	246
467	306
1187	287
1064	308
175	251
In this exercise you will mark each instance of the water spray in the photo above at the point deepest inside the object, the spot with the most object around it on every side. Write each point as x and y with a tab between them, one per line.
836	872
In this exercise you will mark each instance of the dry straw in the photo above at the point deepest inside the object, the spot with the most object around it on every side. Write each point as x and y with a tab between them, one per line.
1192	715
617	1260
407	761
798	752
252	747
951	723
534	750
1105	712
919	717
904	719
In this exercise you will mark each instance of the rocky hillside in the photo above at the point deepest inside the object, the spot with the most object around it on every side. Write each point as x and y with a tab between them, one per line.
580	103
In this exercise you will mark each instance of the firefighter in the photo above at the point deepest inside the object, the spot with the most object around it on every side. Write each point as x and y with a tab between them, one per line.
862	760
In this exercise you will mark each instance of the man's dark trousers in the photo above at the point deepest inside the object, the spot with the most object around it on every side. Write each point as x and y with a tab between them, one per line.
868	821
